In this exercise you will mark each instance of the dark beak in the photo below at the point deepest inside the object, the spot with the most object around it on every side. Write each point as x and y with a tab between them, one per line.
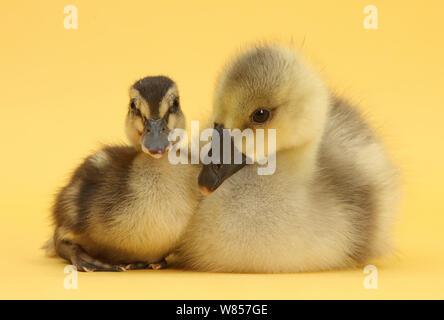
212	175
155	138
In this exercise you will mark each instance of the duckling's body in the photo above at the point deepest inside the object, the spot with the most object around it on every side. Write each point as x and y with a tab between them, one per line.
329	203
124	209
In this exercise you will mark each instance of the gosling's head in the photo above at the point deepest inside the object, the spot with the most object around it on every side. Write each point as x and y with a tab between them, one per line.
154	110
267	87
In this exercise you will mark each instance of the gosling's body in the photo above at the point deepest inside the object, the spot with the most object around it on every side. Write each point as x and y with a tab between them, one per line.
123	208
330	202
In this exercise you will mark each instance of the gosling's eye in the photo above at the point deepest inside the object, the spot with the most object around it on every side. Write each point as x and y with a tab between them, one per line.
260	116
133	104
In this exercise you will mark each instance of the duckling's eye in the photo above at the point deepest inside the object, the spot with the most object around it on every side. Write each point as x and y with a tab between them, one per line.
174	106
260	115
133	104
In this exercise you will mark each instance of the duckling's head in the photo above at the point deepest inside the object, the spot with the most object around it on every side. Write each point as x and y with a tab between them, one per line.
267	87
154	110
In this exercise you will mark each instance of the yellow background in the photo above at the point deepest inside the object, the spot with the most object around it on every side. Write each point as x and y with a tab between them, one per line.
63	92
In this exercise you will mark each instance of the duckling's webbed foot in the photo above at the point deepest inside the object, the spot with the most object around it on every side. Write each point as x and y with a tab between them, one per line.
144	265
82	260
159	265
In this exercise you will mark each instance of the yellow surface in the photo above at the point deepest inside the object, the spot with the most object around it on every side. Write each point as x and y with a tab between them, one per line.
65	91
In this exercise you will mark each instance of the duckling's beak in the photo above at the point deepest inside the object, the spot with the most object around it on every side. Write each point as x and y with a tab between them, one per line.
155	138
212	175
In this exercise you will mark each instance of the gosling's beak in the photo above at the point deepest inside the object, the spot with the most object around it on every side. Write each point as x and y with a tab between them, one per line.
212	175
155	138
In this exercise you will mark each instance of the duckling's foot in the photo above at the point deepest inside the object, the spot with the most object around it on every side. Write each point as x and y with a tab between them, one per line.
143	265
157	266
85	262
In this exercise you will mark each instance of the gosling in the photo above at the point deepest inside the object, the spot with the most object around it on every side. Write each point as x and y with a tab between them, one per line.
331	200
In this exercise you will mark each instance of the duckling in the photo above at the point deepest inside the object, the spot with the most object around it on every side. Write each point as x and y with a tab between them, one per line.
331	200
126	207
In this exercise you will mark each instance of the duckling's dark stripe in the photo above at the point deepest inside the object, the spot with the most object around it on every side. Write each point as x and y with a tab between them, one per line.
102	189
153	89
136	112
